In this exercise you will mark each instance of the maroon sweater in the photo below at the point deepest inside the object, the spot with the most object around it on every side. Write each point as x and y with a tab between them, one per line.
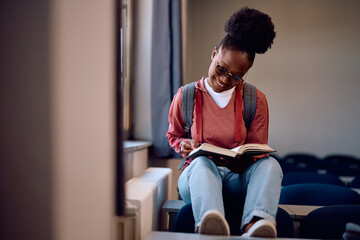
223	127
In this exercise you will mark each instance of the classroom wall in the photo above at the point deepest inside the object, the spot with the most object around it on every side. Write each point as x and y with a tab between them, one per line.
310	75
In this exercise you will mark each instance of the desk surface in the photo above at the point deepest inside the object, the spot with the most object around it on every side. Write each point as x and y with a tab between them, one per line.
297	212
173	206
193	236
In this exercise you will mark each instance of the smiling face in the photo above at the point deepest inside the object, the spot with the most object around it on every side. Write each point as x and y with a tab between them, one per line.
236	62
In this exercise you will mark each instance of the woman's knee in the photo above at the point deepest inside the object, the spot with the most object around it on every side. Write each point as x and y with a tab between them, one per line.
203	168
203	163
271	165
201	172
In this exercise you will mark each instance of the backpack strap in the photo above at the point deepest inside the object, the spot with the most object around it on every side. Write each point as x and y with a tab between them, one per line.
187	109
249	97
187	106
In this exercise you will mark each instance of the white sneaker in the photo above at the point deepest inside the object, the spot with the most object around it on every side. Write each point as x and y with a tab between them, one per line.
262	228
213	223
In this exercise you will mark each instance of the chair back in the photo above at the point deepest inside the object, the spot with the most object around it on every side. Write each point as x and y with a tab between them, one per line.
355	183
342	165
329	222
318	195
306	158
295	167
341	159
310	177
351	170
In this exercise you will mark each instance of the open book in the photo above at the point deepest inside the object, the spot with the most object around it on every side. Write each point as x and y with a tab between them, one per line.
250	149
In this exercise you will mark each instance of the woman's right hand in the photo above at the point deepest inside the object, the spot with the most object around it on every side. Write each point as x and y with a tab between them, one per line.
187	146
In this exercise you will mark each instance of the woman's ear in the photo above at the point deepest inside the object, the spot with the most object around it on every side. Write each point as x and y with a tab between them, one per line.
213	54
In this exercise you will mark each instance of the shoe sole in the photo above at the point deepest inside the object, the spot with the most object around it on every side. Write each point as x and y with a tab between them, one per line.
213	223
265	233
261	229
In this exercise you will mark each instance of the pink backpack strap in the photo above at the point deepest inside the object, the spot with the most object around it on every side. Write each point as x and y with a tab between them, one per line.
198	109
238	113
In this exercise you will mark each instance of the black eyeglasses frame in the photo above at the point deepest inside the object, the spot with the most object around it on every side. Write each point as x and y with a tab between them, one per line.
223	72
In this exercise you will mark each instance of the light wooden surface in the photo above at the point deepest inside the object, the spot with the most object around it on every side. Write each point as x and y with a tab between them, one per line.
193	236
297	212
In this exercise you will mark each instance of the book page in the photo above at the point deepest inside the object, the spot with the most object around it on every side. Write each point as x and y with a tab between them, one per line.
236	149
205	147
252	147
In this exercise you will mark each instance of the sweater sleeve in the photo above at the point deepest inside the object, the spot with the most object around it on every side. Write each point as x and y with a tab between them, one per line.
176	132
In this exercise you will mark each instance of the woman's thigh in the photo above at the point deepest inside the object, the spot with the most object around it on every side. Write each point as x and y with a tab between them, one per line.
201	174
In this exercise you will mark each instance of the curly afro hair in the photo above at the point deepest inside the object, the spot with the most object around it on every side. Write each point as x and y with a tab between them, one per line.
249	30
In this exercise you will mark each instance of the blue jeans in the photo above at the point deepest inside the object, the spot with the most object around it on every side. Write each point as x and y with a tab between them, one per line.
203	183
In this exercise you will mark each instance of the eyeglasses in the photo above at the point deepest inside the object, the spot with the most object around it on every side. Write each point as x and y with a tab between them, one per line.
224	72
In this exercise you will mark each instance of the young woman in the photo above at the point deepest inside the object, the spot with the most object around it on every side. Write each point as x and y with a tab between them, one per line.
218	120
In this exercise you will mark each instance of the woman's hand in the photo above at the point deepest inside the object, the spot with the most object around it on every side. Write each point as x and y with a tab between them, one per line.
187	146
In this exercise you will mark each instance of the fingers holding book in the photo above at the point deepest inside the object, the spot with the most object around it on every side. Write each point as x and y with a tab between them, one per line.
188	145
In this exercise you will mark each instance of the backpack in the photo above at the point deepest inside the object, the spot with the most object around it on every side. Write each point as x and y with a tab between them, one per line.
187	107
